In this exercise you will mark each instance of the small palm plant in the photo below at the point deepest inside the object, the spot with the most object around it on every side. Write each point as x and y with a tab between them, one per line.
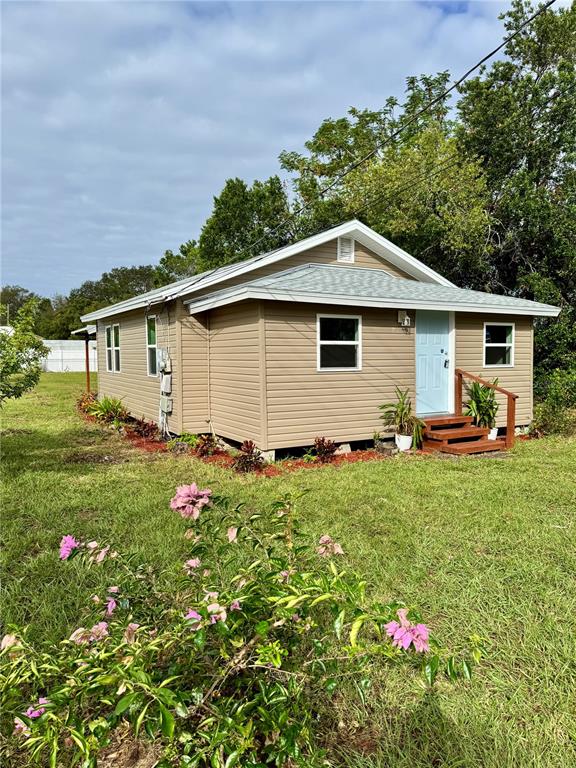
399	415
108	410
482	405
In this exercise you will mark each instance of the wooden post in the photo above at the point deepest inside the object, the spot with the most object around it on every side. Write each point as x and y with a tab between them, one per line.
510	421
458	393
87	357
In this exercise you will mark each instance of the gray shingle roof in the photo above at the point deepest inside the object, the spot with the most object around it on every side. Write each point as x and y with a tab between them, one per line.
357	286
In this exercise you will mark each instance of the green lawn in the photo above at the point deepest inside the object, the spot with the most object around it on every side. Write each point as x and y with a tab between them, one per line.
478	545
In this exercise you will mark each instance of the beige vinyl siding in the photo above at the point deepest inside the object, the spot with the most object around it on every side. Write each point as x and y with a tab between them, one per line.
234	364
194	379
518	379
303	403
139	392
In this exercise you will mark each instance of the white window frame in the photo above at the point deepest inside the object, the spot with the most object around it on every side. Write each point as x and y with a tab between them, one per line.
109	349
357	343
511	344
346	259
151	346
112	348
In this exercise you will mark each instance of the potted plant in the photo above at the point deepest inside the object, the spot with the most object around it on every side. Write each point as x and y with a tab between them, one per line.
483	407
408	427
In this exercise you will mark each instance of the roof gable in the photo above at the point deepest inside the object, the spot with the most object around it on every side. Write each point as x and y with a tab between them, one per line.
379	245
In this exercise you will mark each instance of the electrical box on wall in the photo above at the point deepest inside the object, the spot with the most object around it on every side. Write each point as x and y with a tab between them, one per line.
165	404
166	383
403	318
164	362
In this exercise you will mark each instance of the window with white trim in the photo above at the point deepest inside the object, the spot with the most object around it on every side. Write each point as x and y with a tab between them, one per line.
498	345
113	348
109	354
339	339
151	350
345	252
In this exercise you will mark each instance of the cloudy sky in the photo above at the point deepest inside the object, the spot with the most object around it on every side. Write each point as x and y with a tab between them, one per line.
122	120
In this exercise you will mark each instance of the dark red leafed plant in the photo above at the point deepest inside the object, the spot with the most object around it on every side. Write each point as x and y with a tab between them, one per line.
249	459
324	449
143	428
207	445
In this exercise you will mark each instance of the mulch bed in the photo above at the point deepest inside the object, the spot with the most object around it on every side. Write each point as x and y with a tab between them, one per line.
146	443
226	460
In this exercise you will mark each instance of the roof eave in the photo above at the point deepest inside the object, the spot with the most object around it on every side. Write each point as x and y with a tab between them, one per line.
121	308
207	303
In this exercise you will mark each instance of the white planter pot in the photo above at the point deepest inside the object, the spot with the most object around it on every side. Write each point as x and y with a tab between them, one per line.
403	442
493	434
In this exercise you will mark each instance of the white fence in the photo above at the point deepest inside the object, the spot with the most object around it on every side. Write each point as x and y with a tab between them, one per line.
68	355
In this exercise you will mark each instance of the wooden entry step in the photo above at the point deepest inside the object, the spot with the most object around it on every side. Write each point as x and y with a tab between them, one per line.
457	435
464	448
448	420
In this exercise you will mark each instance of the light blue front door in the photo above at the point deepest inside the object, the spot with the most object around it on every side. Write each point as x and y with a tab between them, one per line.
432	372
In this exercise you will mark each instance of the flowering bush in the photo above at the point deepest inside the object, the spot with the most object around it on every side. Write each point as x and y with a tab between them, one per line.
230	667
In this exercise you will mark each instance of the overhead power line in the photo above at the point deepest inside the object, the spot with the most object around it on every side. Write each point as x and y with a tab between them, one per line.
365	158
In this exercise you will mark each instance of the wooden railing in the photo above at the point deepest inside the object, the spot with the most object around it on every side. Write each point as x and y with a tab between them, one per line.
511	398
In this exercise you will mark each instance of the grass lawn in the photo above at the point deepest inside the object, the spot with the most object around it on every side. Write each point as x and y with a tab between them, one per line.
478	545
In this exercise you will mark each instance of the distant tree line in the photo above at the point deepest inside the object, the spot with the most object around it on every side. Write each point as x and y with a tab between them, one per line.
482	190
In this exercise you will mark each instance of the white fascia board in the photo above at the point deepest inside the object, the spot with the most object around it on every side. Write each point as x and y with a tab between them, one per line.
119	309
399	257
202	305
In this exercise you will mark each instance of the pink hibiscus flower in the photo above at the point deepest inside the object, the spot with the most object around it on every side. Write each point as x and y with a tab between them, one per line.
191	565
194	618
189	500
67	545
327	546
404	633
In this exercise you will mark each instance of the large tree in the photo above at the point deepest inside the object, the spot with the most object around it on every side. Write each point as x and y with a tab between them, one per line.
424	196
243	222
177	266
519	118
339	144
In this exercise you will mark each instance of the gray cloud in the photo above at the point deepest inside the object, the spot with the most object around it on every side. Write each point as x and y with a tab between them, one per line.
121	120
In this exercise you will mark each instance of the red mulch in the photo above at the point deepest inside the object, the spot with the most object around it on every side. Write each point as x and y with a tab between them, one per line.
146	443
225	460
221	459
291	465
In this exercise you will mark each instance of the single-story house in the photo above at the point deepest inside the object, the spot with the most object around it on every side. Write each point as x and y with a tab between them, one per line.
308	340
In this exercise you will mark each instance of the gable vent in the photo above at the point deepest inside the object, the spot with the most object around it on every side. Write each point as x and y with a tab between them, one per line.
346	250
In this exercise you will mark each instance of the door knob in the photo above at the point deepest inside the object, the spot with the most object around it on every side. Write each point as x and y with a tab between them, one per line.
446	363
